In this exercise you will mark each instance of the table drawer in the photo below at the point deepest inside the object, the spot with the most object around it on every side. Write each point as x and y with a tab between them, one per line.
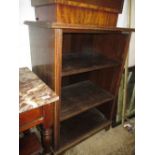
30	118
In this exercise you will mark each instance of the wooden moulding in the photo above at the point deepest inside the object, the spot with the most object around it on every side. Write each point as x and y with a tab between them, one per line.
77	28
94	12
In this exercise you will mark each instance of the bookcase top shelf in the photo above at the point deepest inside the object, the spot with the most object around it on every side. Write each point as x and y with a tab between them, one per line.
80	62
76	27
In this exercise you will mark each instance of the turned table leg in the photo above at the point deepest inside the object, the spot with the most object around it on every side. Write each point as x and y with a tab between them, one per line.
47	128
46	133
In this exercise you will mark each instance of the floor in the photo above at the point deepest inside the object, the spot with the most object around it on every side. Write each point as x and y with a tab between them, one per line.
116	141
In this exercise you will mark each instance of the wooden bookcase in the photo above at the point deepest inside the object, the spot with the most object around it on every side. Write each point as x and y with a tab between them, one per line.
82	63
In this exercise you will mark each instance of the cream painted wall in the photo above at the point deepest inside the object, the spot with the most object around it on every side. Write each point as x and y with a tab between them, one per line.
123	21
132	42
27	13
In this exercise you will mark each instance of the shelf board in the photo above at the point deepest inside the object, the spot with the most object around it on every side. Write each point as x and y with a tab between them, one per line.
80	62
80	127
82	96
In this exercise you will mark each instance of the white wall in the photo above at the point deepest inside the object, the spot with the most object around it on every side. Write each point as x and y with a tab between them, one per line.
123	21
132	42
124	18
26	12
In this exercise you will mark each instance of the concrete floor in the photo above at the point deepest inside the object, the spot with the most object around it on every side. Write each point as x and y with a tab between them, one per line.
116	141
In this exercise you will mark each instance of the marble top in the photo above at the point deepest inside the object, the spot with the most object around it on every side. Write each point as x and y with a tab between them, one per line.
33	92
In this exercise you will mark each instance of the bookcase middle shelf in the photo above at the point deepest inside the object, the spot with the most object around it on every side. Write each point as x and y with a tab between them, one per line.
82	96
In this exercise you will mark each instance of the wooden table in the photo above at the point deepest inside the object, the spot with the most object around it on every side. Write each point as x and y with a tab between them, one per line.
36	105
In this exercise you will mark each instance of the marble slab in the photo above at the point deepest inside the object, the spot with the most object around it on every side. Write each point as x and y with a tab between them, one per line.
33	92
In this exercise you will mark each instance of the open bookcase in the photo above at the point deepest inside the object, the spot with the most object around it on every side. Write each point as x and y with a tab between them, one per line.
83	64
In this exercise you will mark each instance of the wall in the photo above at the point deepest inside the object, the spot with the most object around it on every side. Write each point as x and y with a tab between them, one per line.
128	20
132	42
27	13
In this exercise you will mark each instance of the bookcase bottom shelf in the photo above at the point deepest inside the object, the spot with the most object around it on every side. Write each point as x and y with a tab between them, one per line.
78	128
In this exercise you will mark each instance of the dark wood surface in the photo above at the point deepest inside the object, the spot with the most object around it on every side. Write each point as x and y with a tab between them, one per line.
78	128
80	97
45	45
30	144
79	62
47	48
74	28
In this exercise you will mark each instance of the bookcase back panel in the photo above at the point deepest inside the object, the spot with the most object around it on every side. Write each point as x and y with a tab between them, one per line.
68	80
77	42
103	78
110	45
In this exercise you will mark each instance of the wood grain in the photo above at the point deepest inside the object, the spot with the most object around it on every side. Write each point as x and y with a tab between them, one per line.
113	6
94	12
77	28
35	114
58	37
46	52
75	15
80	97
